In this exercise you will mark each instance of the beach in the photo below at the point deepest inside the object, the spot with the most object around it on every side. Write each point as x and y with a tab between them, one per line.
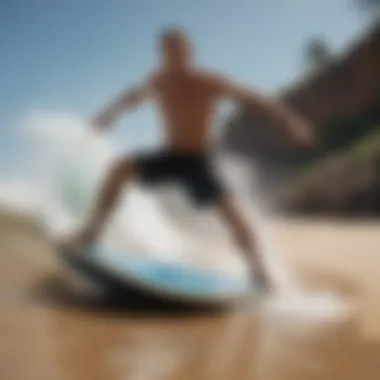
49	333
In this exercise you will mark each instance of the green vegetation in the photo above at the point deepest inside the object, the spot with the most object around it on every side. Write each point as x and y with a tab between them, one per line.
358	153
317	54
363	150
369	6
343	133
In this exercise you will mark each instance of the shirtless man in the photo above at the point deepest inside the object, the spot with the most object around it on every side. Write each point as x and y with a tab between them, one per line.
186	97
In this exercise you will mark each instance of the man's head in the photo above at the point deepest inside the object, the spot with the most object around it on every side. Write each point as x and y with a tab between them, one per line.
176	49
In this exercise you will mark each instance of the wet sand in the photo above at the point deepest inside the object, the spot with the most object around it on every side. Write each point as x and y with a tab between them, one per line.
49	331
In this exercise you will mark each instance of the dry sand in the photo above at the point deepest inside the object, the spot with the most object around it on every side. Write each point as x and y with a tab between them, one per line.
49	333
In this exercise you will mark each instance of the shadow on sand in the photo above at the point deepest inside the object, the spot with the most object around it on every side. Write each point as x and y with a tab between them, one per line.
58	292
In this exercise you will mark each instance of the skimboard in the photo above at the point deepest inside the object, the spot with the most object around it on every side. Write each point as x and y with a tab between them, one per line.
174	281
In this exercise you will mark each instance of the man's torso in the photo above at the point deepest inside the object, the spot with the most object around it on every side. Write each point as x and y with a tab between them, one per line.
187	104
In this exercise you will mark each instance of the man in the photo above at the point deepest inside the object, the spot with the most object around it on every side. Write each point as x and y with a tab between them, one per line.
187	97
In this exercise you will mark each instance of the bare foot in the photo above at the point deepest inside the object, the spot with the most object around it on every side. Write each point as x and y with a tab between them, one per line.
261	281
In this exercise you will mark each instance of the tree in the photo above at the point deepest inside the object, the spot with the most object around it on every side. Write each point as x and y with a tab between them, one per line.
371	7
368	4
317	54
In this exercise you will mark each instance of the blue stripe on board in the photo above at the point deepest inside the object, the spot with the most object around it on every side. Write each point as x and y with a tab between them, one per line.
171	276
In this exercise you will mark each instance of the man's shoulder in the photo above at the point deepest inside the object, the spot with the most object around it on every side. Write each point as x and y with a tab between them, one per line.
209	74
211	77
205	76
154	78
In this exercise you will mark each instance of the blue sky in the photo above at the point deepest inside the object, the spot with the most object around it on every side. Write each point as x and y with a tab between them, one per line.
73	55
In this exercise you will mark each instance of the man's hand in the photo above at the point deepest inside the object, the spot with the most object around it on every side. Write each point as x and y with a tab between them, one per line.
303	135
99	123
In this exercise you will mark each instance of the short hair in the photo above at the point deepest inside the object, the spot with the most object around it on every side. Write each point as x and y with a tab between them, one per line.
173	34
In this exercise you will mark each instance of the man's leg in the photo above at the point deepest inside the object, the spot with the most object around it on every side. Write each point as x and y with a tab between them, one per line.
245	237
120	174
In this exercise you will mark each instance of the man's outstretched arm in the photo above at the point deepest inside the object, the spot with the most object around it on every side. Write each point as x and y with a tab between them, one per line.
127	100
294	125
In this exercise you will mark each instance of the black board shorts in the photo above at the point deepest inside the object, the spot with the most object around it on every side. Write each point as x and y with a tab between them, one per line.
194	172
